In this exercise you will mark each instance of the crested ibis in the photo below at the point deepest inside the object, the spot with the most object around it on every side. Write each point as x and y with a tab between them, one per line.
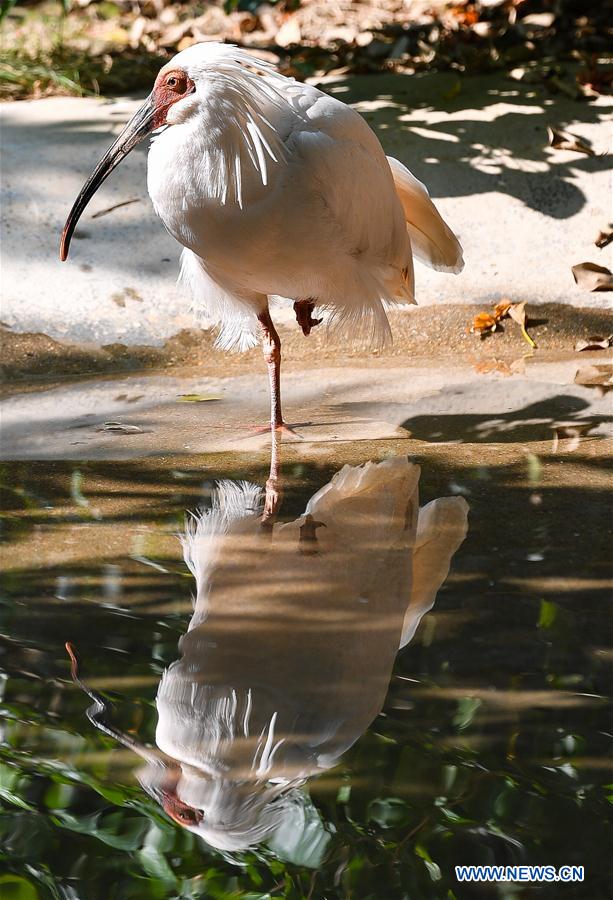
276	189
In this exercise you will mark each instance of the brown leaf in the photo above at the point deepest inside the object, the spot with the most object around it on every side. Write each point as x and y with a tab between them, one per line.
483	324
564	140
599	377
501	309
595	342
247	21
517	311
591	277
605	236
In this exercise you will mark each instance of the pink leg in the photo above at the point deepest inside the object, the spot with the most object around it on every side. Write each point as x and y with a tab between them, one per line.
273	490
271	348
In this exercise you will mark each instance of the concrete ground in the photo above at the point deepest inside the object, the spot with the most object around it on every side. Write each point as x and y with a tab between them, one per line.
525	213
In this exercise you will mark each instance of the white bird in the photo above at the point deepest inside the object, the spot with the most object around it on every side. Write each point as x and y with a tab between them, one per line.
289	651
276	189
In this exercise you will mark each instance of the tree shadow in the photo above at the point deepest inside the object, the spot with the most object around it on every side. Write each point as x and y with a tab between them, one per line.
534	422
490	149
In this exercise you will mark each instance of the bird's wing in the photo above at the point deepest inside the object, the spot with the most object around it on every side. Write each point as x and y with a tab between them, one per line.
441	528
432	241
349	219
346	167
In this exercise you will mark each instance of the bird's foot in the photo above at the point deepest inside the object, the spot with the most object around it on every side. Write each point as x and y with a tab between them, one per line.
304	315
288	431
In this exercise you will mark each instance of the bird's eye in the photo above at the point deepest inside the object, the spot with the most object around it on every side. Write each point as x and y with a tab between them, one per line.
180	812
177	82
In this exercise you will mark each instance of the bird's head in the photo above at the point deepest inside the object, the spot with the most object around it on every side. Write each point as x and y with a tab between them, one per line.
208	76
172	99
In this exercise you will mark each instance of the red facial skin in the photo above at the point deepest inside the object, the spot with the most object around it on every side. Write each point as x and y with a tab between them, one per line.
169	87
180	812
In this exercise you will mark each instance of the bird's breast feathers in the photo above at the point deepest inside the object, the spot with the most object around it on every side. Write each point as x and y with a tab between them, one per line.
322	194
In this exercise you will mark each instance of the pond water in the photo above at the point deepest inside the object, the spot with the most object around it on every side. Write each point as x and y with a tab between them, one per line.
346	703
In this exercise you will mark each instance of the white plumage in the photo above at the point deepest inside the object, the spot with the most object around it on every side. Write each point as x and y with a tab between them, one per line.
277	190
289	652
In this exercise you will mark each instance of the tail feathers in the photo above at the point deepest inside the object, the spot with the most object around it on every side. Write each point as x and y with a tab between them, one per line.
441	528
385	490
432	241
365	326
359	315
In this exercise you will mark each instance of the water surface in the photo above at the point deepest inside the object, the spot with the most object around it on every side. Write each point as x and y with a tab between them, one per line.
484	739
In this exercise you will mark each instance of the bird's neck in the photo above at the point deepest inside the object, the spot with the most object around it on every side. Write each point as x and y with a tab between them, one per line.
225	153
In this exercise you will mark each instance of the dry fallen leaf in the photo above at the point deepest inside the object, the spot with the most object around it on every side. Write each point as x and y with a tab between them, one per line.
486	323
483	324
120	428
196	398
573	431
605	236
598	377
517	311
501	309
595	342
591	277
564	140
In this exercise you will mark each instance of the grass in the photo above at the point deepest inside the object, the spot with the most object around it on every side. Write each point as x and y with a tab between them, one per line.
22	77
46	51
67	71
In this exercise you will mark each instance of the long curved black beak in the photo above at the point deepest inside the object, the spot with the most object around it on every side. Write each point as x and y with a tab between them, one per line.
142	123
97	711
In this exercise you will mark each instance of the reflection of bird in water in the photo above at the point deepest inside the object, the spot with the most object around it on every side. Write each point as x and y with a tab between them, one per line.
275	189
290	649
